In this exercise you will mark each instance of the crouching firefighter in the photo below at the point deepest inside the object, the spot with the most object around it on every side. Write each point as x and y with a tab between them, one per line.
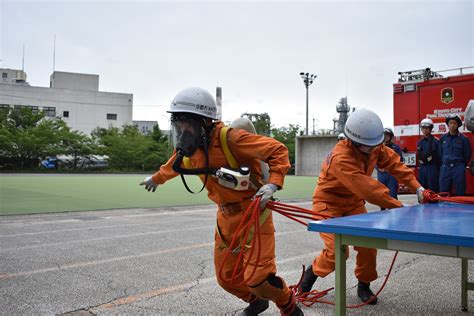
228	161
345	183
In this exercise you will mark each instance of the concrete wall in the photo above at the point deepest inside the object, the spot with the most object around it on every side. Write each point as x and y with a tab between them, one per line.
310	152
12	75
74	81
86	109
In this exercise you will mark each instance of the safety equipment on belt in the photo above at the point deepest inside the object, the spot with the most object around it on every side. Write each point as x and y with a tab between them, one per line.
194	100
364	127
365	293
419	194
234	179
455	117
266	192
255	307
309	278
469	116
149	184
426	122
341	136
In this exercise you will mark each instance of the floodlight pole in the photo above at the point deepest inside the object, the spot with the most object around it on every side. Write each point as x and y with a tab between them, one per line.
307	80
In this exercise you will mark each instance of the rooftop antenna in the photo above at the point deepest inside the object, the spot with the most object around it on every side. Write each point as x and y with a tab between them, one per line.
23	60
346	86
54	53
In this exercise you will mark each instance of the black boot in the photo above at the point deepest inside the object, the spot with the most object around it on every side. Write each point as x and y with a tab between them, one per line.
297	312
256	307
308	279
365	293
290	308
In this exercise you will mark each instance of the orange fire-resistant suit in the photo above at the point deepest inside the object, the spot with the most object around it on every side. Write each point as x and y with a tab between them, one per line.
249	150
344	184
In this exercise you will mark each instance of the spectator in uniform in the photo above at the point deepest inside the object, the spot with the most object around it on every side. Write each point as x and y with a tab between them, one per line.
382	175
428	159
455	152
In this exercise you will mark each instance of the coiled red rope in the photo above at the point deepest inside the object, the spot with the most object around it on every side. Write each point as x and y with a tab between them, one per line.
432	197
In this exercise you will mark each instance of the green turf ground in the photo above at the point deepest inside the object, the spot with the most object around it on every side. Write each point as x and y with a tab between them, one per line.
28	194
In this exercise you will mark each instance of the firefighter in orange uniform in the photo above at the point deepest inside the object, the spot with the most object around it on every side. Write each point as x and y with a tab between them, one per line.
345	183
199	149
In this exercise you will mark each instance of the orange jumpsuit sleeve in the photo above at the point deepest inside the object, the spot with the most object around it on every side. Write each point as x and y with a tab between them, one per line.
361	184
166	171
390	160
267	149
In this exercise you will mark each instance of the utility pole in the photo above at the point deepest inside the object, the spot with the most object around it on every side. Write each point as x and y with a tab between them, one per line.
307	80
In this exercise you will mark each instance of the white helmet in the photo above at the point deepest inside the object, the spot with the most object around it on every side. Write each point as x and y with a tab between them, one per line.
341	136
194	100
243	123
426	122
364	127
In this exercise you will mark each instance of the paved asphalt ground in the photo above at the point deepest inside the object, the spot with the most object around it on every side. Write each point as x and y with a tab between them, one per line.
159	261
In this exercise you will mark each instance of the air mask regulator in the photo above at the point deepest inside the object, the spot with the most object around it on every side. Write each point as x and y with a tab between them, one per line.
236	179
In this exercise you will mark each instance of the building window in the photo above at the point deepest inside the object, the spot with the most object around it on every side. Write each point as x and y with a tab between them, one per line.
49	111
111	116
34	109
4	75
65	113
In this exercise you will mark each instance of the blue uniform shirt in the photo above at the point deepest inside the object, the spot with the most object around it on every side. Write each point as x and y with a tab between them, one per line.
455	149
428	150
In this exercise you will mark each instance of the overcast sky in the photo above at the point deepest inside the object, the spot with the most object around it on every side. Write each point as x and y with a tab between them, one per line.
254	50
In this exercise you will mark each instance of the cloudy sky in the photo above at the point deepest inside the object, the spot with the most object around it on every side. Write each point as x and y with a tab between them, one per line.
254	50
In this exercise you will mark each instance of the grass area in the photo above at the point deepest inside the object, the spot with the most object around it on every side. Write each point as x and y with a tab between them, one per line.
45	193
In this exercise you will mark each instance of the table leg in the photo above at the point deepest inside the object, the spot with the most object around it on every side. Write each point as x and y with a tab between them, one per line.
464	283
340	276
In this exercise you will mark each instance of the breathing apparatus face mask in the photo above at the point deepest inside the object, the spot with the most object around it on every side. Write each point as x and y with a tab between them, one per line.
187	132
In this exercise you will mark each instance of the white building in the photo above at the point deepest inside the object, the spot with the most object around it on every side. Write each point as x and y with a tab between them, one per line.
145	127
74	97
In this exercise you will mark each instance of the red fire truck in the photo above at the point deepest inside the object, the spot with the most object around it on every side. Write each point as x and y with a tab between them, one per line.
424	93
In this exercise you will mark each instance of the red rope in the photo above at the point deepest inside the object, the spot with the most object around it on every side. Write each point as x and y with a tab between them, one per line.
249	219
430	197
310	298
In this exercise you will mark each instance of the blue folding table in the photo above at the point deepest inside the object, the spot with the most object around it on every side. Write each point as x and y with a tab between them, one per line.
443	229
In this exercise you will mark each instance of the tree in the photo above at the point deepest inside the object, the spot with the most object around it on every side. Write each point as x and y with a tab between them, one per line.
261	122
27	136
129	150
287	135
77	145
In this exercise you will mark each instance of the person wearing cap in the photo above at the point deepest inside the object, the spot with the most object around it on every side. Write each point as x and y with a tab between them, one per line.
382	175
428	159
345	184
199	149
455	152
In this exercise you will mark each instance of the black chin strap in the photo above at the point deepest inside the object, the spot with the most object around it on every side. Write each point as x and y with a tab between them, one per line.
207	171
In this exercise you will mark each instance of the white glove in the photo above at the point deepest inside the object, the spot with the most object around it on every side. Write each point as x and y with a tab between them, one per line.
149	184
419	194
266	192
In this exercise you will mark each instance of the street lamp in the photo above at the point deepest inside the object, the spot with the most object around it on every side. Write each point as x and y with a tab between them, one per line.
307	80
